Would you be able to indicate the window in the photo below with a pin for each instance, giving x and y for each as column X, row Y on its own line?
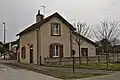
column 55, row 51
column 84, row 51
column 23, row 52
column 55, row 29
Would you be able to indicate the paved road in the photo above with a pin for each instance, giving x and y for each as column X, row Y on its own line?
column 7, row 73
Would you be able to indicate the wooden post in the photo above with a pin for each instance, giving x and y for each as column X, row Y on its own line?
column 60, row 61
column 98, row 59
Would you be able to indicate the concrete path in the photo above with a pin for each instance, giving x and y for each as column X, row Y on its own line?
column 7, row 73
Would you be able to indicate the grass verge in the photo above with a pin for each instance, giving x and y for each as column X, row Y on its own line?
column 95, row 66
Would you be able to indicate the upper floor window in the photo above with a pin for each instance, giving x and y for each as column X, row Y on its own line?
column 55, row 29
column 23, row 52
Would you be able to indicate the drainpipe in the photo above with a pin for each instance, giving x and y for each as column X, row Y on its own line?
column 71, row 43
column 38, row 51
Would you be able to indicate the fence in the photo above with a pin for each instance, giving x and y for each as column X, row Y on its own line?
column 90, row 59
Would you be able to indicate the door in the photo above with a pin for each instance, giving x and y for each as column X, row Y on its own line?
column 18, row 56
column 31, row 54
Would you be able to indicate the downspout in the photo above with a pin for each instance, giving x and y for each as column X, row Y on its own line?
column 39, row 38
column 38, row 51
column 37, row 46
column 70, row 43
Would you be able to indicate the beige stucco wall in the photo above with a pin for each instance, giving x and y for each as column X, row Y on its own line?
column 46, row 39
column 84, row 44
column 27, row 40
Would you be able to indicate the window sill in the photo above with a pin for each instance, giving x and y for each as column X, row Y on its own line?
column 55, row 56
column 22, row 58
column 55, row 35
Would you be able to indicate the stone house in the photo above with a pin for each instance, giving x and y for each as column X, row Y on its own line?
column 49, row 38
column 12, row 48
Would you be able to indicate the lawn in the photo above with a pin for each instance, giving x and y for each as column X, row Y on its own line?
column 54, row 73
column 101, row 66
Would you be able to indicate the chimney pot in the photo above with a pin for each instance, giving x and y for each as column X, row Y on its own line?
column 39, row 17
column 38, row 11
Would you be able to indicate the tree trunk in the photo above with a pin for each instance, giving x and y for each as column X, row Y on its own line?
column 106, row 51
column 87, row 59
column 117, row 56
column 107, row 58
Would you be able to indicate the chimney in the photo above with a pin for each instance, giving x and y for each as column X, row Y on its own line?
column 39, row 17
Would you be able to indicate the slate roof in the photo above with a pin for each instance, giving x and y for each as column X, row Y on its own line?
column 84, row 38
column 37, row 25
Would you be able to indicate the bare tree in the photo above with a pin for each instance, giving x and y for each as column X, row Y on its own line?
column 82, row 30
column 107, row 33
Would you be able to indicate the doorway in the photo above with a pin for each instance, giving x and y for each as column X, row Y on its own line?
column 18, row 55
column 31, row 54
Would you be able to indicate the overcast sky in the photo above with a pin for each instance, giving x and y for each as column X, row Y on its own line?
column 19, row 14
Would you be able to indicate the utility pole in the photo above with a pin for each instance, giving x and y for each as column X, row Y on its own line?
column 4, row 39
column 43, row 9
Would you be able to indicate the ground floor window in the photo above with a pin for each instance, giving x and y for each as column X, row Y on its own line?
column 84, row 51
column 56, row 50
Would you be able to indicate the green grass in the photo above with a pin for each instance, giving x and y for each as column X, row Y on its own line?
column 54, row 73
column 101, row 66
column 67, row 75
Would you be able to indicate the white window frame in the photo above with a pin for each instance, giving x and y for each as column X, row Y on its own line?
column 55, row 29
column 55, row 51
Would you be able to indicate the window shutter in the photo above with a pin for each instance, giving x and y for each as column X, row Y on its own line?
column 61, row 50
column 51, row 51
column 59, row 29
column 51, row 29
column 24, row 52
